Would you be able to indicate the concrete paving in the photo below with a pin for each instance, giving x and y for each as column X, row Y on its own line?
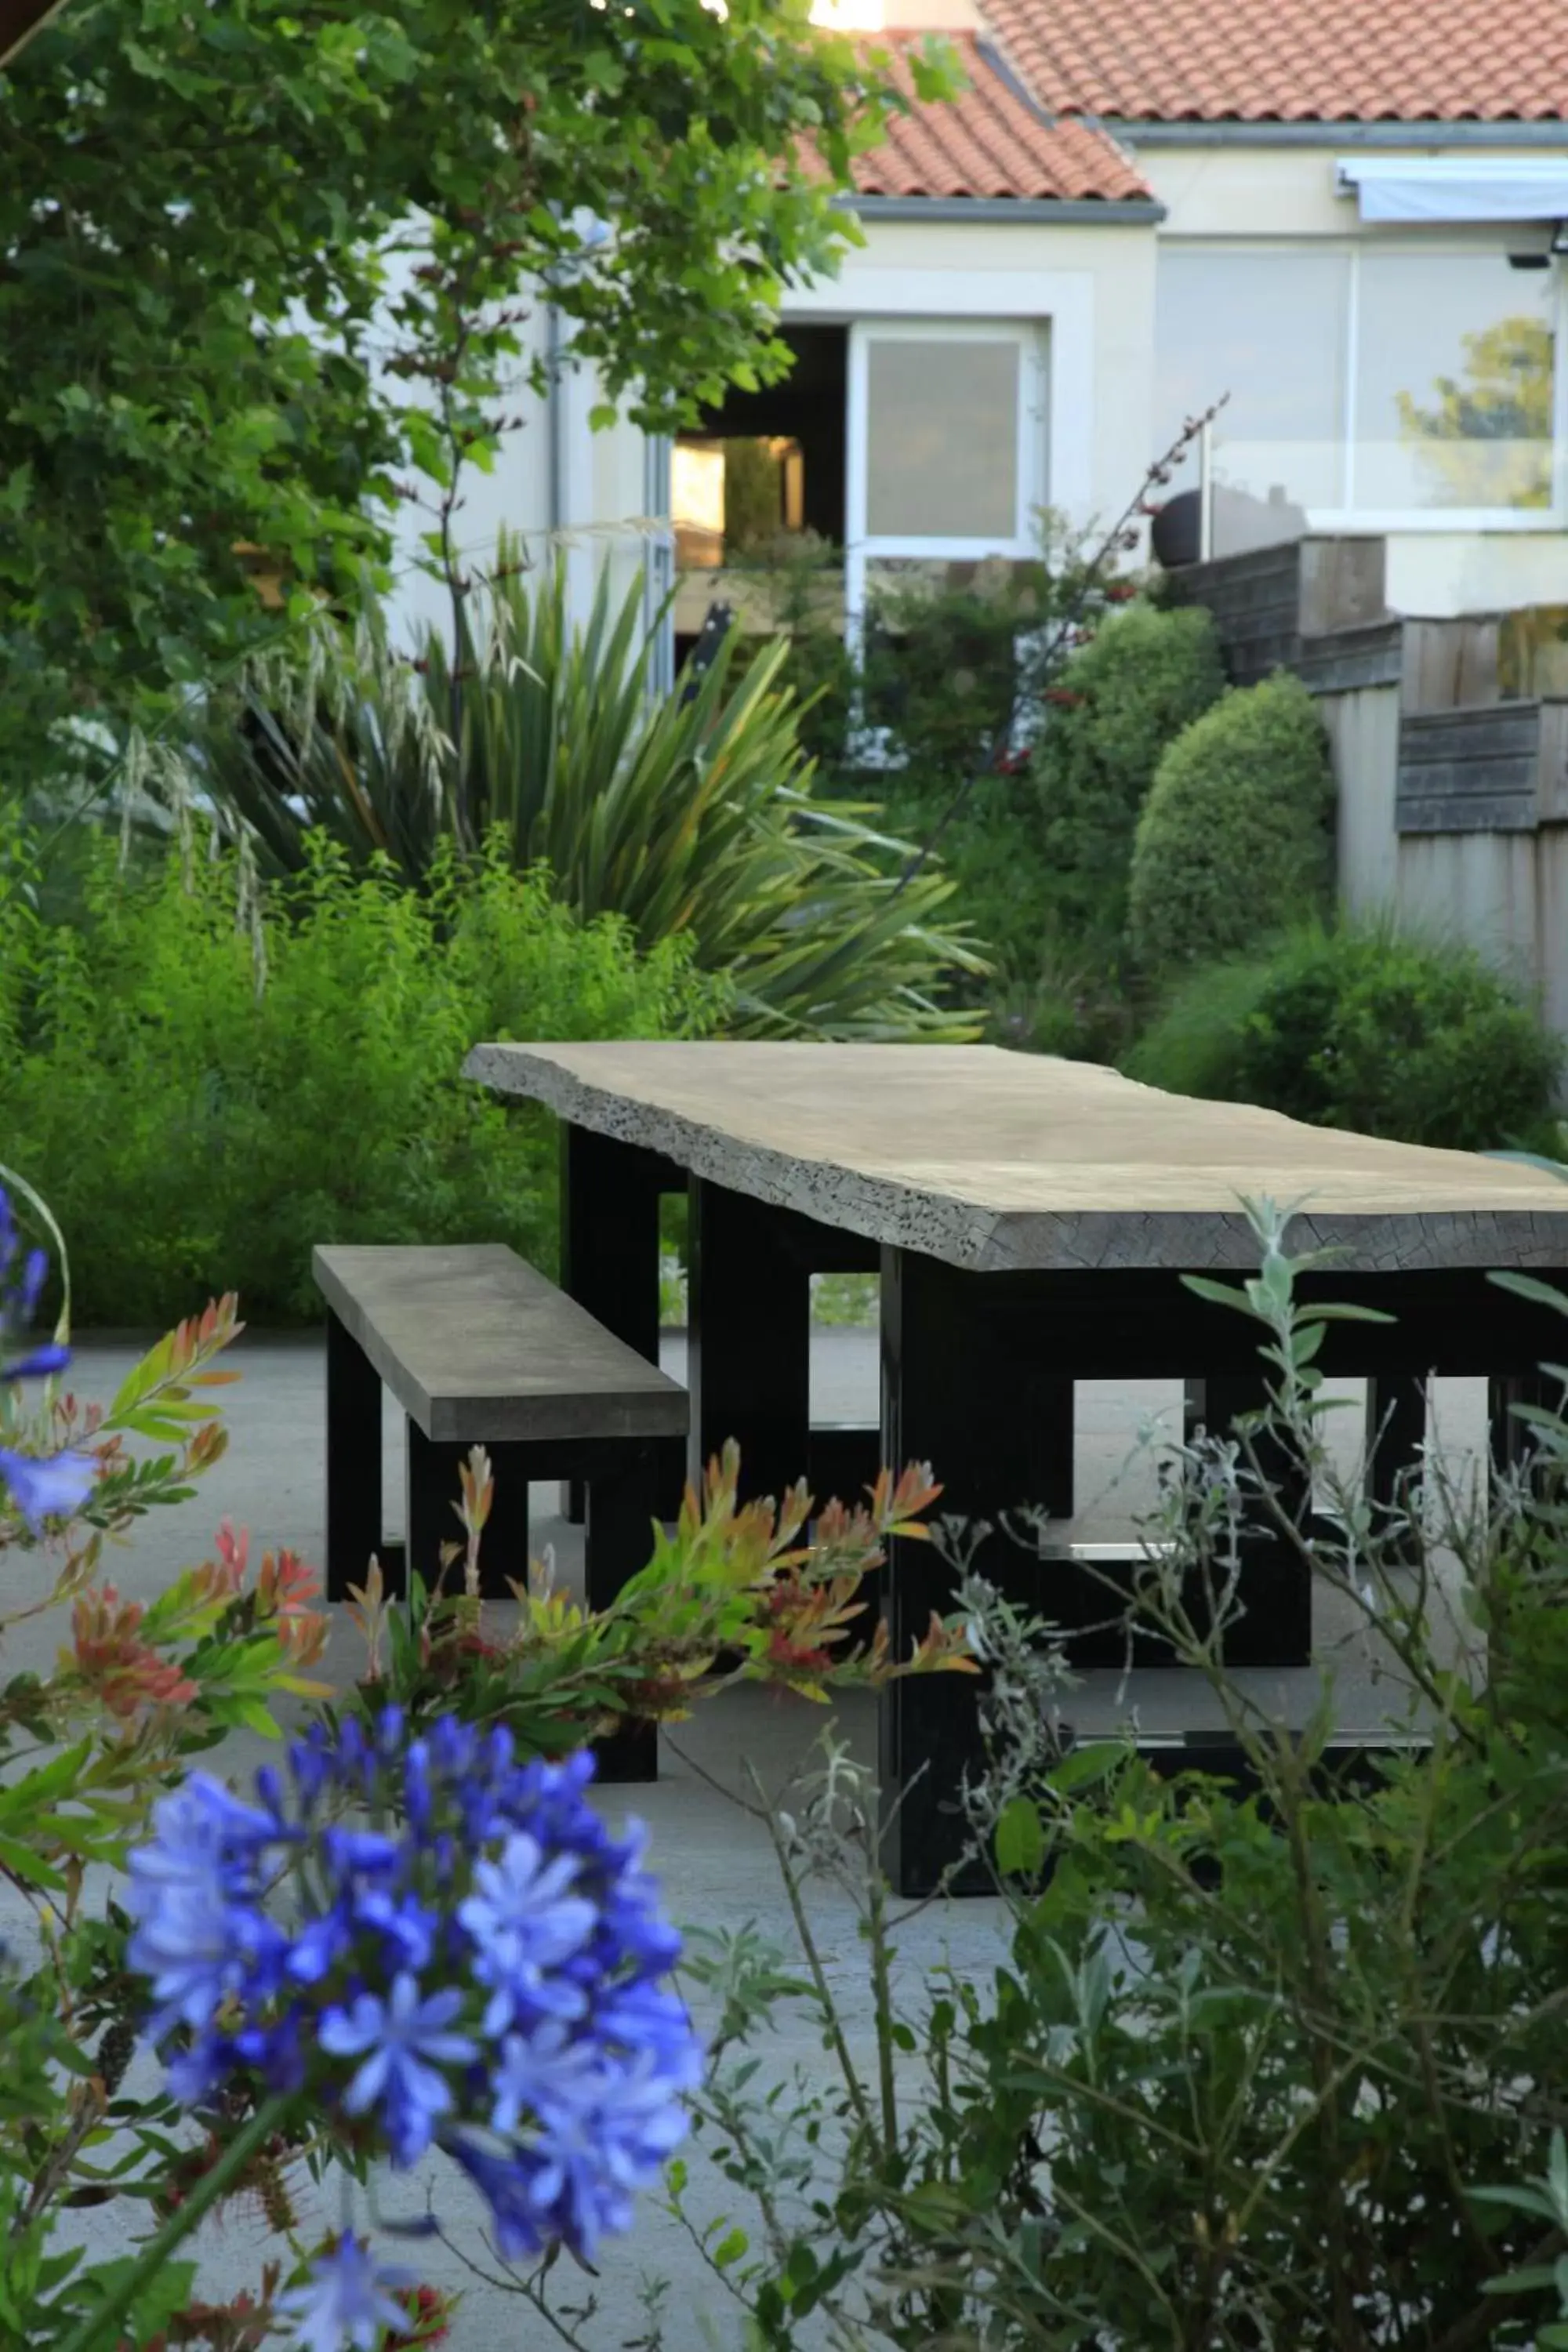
column 713, row 1859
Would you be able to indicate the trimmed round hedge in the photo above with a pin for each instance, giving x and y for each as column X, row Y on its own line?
column 1235, row 841
column 1144, row 676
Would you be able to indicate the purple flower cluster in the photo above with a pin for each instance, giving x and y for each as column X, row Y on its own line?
column 57, row 1483
column 472, row 1961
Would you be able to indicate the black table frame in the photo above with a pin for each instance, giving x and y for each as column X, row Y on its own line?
column 977, row 1378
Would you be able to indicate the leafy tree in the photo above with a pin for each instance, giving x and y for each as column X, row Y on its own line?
column 213, row 218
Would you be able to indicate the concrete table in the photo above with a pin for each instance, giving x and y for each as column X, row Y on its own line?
column 1031, row 1219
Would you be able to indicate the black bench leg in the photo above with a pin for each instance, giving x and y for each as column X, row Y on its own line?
column 433, row 1496
column 619, row 1542
column 1275, row 1586
column 353, row 1464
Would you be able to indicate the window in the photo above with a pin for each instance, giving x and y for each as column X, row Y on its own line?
column 731, row 499
column 1270, row 328
column 946, row 440
column 1455, row 381
column 941, row 454
column 1381, row 380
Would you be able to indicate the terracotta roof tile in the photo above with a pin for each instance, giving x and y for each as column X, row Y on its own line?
column 989, row 141
column 1292, row 60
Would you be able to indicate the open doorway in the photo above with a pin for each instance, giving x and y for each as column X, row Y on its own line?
column 764, row 468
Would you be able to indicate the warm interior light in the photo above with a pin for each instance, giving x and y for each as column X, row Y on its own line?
column 697, row 485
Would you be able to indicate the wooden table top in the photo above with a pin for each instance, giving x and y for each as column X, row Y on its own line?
column 1002, row 1161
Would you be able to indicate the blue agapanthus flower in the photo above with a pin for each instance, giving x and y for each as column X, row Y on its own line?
column 56, row 1485
column 348, row 2300
column 438, row 1942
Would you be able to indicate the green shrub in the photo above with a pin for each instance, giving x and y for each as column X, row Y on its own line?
column 1234, row 841
column 1075, row 1006
column 693, row 812
column 1269, row 2033
column 939, row 677
column 947, row 673
column 201, row 1100
column 1363, row 1029
column 1142, row 678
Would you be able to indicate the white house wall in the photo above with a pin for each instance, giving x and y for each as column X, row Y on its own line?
column 555, row 486
column 1239, row 191
column 1232, row 189
column 1095, row 286
column 1438, row 575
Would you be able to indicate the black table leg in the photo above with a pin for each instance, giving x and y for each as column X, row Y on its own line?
column 610, row 1194
column 965, row 1388
column 353, row 1464
column 749, row 1365
column 434, row 1492
column 619, row 1542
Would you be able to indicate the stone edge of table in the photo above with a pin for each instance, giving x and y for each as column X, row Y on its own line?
column 635, row 1399
column 984, row 1239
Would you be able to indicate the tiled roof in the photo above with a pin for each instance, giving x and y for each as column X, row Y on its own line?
column 1291, row 61
column 989, row 141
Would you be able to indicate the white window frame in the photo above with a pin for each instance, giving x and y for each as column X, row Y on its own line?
column 862, row 547
column 1350, row 518
column 1051, row 310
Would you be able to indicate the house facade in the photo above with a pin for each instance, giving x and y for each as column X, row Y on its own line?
column 1349, row 220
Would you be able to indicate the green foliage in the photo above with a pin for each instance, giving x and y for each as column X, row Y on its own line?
column 138, row 1690
column 1263, row 2046
column 735, row 1592
column 208, row 220
column 954, row 680
column 1364, row 1030
column 730, row 1594
column 694, row 813
column 1142, row 678
column 1235, row 838
column 947, row 674
column 203, row 1097
column 1076, row 1006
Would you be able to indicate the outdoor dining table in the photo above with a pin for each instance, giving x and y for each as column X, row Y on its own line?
column 1031, row 1221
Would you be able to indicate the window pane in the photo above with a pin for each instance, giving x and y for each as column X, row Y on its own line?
column 943, row 439
column 1270, row 329
column 1454, row 382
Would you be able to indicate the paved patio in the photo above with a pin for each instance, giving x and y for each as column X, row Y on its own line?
column 715, row 1862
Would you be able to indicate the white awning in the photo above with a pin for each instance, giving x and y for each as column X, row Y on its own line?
column 1458, row 187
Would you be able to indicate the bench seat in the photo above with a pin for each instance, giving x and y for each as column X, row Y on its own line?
column 480, row 1349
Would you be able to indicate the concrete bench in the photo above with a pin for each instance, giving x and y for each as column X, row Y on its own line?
column 479, row 1348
